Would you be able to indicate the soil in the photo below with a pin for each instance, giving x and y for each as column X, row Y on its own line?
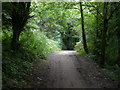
column 68, row 70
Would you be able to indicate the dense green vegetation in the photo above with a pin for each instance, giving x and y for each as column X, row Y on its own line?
column 31, row 31
column 18, row 65
column 33, row 45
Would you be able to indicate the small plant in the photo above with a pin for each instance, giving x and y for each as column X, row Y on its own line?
column 79, row 48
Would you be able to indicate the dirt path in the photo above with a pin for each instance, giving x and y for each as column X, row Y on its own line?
column 68, row 70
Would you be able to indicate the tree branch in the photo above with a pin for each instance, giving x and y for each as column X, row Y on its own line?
column 94, row 14
column 96, row 9
column 112, row 12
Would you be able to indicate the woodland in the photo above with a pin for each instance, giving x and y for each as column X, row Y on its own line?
column 32, row 30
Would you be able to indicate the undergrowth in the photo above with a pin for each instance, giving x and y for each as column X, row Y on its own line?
column 16, row 66
column 111, row 68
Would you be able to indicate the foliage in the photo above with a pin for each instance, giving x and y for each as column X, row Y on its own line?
column 94, row 30
column 57, row 25
column 79, row 48
column 18, row 65
column 54, row 21
column 40, row 45
column 113, row 72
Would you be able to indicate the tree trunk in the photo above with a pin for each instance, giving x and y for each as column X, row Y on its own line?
column 118, row 58
column 20, row 15
column 97, row 29
column 118, row 35
column 15, row 39
column 83, row 31
column 104, row 35
column 96, row 42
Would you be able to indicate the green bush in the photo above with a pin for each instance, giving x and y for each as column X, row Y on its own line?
column 79, row 48
column 38, row 44
column 113, row 71
column 18, row 65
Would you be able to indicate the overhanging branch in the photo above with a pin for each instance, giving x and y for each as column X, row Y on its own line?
column 112, row 12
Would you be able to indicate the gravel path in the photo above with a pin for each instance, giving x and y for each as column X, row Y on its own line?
column 68, row 70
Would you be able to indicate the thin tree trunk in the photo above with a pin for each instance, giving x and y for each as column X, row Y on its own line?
column 118, row 36
column 83, row 31
column 97, row 32
column 96, row 42
column 118, row 58
column 104, row 35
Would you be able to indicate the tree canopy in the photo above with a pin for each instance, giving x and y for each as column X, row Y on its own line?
column 39, row 28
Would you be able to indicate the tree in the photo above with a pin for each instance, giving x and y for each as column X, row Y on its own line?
column 57, row 22
column 20, row 15
column 106, row 19
column 104, row 35
column 102, row 25
column 83, row 30
column 15, row 14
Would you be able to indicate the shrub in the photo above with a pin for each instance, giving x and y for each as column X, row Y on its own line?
column 18, row 65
